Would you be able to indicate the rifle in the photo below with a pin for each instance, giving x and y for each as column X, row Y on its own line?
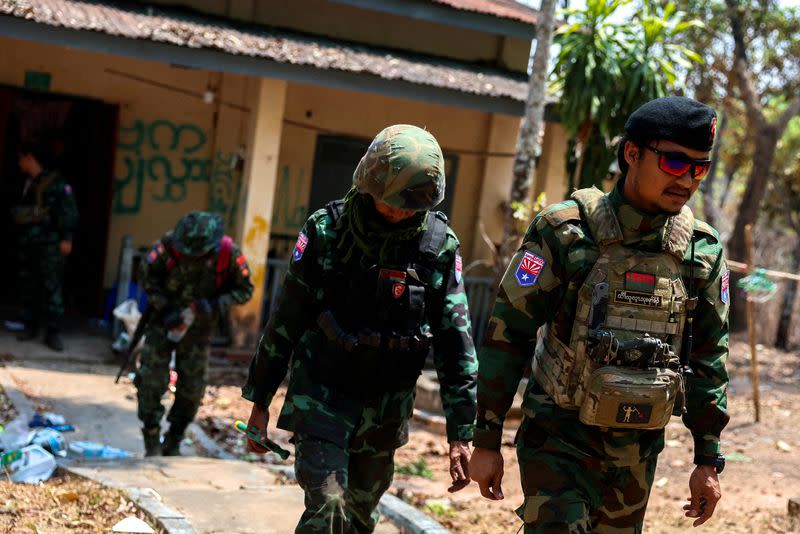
column 137, row 336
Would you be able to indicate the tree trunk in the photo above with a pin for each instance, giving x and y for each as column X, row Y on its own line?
column 787, row 306
column 529, row 141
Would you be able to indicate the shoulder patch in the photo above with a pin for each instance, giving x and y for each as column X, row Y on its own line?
column 529, row 269
column 458, row 268
column 300, row 247
column 67, row 189
column 560, row 213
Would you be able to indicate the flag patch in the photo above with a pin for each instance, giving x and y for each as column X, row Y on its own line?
column 300, row 246
column 529, row 269
column 725, row 291
column 643, row 282
column 458, row 268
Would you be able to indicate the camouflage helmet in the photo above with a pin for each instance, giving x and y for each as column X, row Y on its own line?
column 197, row 233
column 403, row 167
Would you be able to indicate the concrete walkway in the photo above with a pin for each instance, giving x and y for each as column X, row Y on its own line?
column 215, row 496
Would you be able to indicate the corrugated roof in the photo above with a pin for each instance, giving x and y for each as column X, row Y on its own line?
column 506, row 9
column 181, row 29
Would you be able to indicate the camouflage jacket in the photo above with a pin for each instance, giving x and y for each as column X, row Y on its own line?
column 51, row 193
column 173, row 282
column 292, row 337
column 569, row 252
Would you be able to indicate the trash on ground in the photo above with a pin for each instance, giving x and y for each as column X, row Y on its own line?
column 15, row 436
column 89, row 449
column 128, row 312
column 50, row 420
column 782, row 445
column 132, row 524
column 14, row 326
column 29, row 465
column 50, row 440
column 737, row 457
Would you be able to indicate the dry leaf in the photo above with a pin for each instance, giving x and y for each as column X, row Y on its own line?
column 69, row 496
column 662, row 482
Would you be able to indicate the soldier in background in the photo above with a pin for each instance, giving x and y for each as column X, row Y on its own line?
column 374, row 282
column 191, row 275
column 615, row 281
column 45, row 217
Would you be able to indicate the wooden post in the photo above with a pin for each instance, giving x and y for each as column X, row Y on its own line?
column 751, row 325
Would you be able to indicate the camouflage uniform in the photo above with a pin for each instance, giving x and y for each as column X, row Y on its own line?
column 45, row 216
column 348, row 418
column 566, row 466
column 184, row 269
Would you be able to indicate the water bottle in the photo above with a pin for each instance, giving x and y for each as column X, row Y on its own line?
column 177, row 333
column 91, row 450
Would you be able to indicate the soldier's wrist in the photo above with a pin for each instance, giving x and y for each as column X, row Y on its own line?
column 487, row 439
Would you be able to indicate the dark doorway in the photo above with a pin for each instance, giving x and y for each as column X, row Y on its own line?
column 81, row 134
column 335, row 160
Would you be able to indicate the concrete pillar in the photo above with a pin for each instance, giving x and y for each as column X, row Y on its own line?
column 258, row 186
column 497, row 176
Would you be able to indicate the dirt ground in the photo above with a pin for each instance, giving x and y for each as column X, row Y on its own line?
column 63, row 504
column 762, row 473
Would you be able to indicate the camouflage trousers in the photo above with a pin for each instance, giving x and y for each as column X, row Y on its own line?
column 41, row 282
column 566, row 492
column 342, row 486
column 152, row 378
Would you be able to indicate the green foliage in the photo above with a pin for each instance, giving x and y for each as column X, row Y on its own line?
column 415, row 469
column 606, row 69
column 440, row 510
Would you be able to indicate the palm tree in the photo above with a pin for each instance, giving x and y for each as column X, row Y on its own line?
column 605, row 69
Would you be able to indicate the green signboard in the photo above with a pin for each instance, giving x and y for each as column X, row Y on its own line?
column 38, row 81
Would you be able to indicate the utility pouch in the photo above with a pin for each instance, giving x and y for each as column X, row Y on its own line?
column 625, row 397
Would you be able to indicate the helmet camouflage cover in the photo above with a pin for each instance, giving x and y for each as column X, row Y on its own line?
column 197, row 233
column 403, row 167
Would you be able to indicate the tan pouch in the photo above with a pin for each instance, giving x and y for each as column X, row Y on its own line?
column 624, row 397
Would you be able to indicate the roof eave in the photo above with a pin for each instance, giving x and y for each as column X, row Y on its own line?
column 202, row 58
column 449, row 16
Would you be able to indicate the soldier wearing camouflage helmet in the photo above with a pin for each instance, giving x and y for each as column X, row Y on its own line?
column 374, row 282
column 619, row 302
column 193, row 273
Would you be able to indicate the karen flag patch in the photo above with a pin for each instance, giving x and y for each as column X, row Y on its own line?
column 725, row 290
column 458, row 268
column 300, row 246
column 529, row 269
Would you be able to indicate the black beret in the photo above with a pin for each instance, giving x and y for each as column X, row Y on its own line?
column 674, row 118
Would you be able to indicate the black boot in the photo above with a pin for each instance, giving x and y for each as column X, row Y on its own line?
column 29, row 332
column 173, row 438
column 152, row 441
column 53, row 340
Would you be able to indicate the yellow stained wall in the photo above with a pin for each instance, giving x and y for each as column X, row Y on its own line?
column 172, row 156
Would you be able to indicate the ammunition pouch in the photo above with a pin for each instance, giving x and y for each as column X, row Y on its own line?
column 23, row 215
column 642, row 352
column 368, row 363
column 631, row 398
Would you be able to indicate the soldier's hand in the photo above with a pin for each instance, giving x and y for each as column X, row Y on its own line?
column 259, row 418
column 65, row 248
column 486, row 468
column 705, row 493
column 173, row 319
column 459, row 465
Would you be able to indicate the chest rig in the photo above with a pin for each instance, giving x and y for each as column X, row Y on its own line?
column 376, row 332
column 33, row 209
column 621, row 367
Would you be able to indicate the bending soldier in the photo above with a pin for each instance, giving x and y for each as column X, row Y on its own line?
column 374, row 283
column 191, row 275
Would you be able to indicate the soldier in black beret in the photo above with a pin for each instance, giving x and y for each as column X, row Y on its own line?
column 598, row 279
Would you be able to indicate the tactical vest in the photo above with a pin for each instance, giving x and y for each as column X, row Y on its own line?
column 224, row 252
column 374, row 323
column 621, row 368
column 35, row 213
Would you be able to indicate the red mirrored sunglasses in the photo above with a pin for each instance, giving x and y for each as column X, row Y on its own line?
column 678, row 163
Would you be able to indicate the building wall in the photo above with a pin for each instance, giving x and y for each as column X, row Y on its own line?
column 352, row 24
column 172, row 155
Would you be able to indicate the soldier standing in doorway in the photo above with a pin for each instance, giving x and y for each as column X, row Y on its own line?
column 191, row 275
column 45, row 218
